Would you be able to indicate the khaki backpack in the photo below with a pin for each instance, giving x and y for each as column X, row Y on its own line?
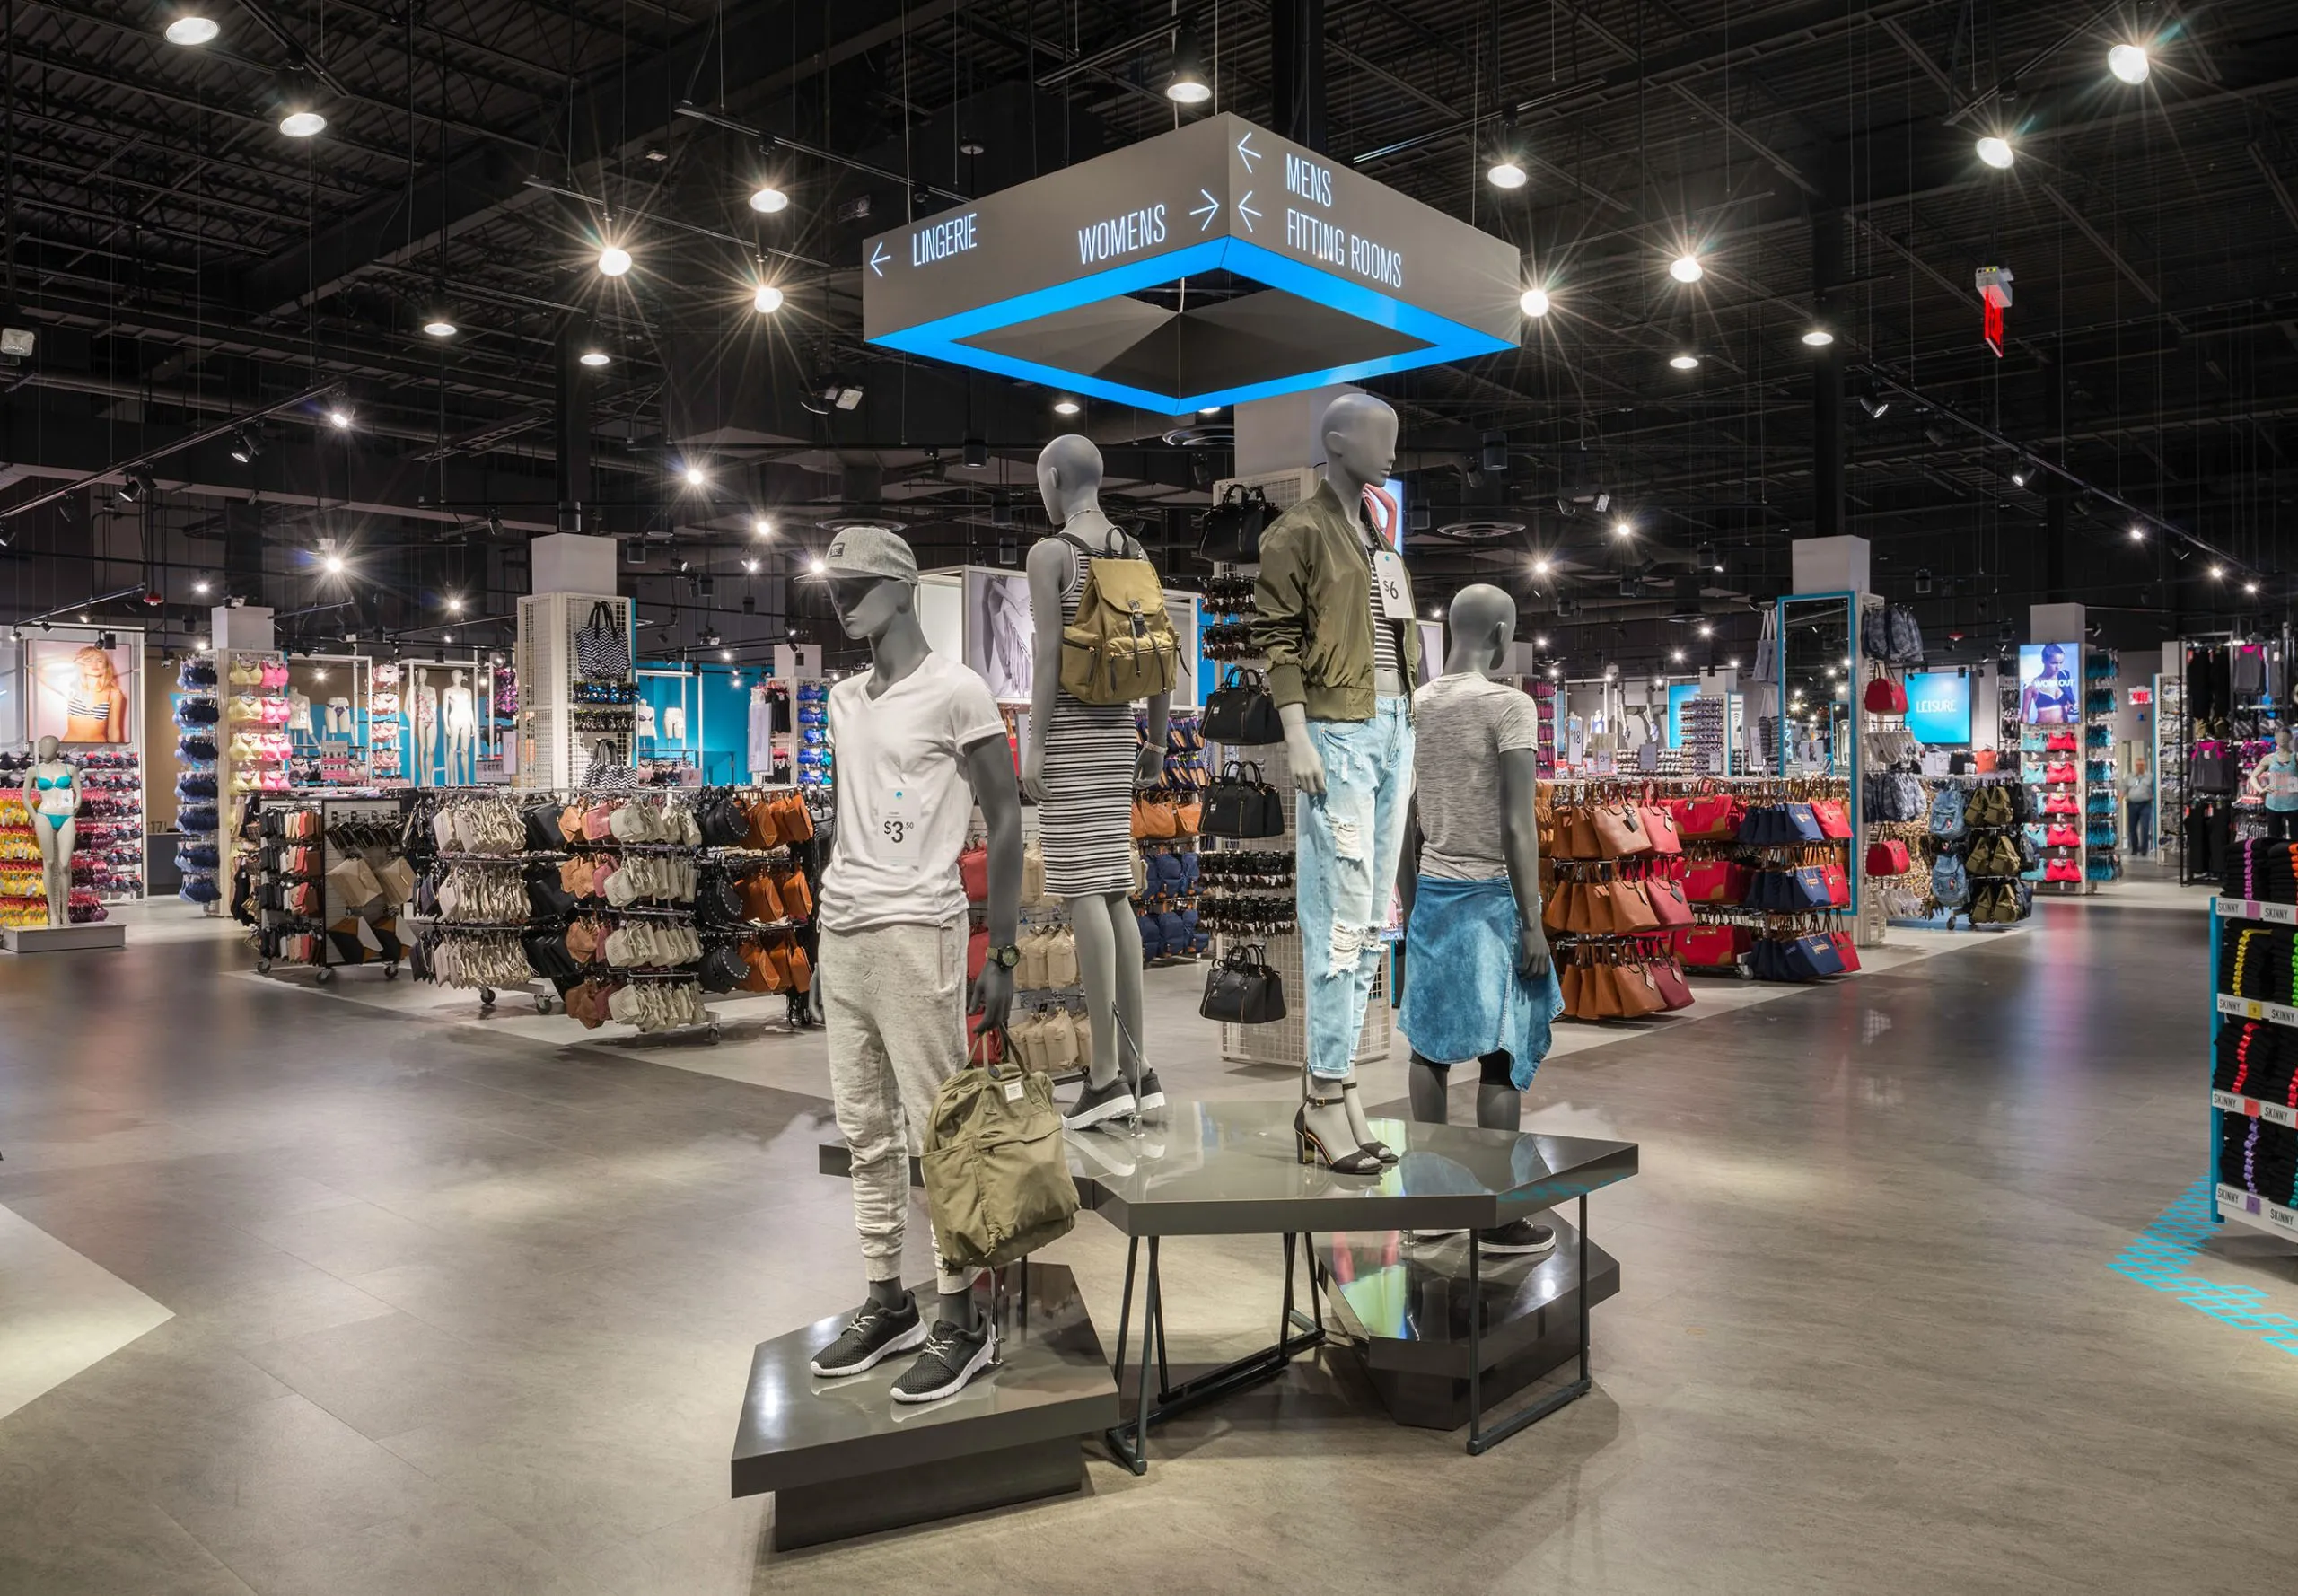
column 1121, row 647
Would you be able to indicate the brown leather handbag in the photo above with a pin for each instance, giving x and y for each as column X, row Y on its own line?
column 1603, row 990
column 1631, row 909
column 796, row 820
column 1639, row 995
column 1596, row 916
column 765, row 826
column 801, row 968
column 1619, row 830
column 761, row 898
column 1574, row 979
column 1557, row 905
column 797, row 897
column 1577, row 829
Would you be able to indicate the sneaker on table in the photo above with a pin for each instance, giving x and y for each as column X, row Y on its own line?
column 952, row 1359
column 1518, row 1236
column 1097, row 1103
column 1148, row 1095
column 873, row 1336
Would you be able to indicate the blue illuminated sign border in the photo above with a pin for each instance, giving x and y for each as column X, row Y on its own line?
column 1445, row 339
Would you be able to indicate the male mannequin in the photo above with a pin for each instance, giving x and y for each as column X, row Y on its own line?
column 459, row 725
column 890, row 980
column 1339, row 676
column 1081, row 769
column 52, row 793
column 1478, row 980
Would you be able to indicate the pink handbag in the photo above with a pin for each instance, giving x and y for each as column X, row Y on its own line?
column 596, row 821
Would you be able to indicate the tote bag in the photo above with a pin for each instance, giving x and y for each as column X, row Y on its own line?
column 599, row 646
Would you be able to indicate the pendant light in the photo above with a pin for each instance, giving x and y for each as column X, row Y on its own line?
column 1189, row 85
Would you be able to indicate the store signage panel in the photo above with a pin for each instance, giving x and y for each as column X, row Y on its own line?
column 1342, row 276
column 1939, row 707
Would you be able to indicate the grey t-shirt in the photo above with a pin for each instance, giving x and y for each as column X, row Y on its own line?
column 1462, row 725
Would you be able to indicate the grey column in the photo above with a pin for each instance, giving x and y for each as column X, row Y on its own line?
column 1826, row 379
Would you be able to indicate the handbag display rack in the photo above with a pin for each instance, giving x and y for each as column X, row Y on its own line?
column 329, row 880
column 1612, row 895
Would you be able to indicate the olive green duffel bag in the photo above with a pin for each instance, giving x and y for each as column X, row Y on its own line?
column 997, row 1181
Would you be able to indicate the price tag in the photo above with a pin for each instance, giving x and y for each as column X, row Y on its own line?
column 1389, row 579
column 2250, row 1107
column 1012, row 1092
column 2250, row 910
column 901, row 827
column 2253, row 1010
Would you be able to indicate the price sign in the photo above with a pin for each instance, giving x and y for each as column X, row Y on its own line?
column 901, row 828
column 1395, row 590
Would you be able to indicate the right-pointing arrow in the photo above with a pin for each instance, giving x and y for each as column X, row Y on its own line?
column 1205, row 212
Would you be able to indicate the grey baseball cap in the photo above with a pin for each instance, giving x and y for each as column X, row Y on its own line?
column 870, row 552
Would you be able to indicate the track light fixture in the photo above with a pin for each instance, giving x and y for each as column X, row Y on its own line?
column 246, row 445
column 973, row 454
column 1508, row 168
column 1189, row 85
column 1876, row 408
column 338, row 419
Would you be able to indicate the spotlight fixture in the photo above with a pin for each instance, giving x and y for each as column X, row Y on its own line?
column 188, row 27
column 1066, row 406
column 595, row 358
column 767, row 199
column 1189, row 85
column 200, row 586
column 2127, row 62
column 1685, row 269
column 440, row 324
column 338, row 419
column 2217, row 573
column 1676, row 656
column 766, row 299
column 1534, row 303
column 973, row 454
column 1685, row 363
column 134, row 487
column 614, row 260
column 763, row 527
column 1819, row 337
column 1508, row 168
column 1706, row 630
column 1493, row 451
column 454, row 605
column 245, row 444
column 1876, row 408
column 1923, row 581
column 1541, row 566
column 1208, row 410
column 1623, row 529
column 2138, row 534
column 726, row 654
column 750, row 568
column 2251, row 588
column 710, row 639
column 2018, row 478
column 695, row 477
column 1539, row 640
column 333, row 564
column 299, row 120
column 1996, row 152
column 814, row 567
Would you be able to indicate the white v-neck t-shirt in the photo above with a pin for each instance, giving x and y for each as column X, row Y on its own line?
column 903, row 799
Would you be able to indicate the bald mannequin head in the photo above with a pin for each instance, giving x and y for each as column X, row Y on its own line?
column 1069, row 477
column 1483, row 628
column 1360, row 433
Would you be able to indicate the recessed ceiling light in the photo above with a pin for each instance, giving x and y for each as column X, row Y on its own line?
column 1066, row 406
column 191, row 28
column 595, row 358
column 1687, row 269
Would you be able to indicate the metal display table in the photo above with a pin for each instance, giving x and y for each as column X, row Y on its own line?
column 1229, row 1168
column 844, row 1458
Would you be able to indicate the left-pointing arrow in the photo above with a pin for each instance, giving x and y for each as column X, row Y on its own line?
column 878, row 258
column 1245, row 210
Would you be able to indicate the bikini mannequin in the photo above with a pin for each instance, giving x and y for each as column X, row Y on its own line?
column 52, row 793
column 1089, row 804
column 876, row 906
column 459, row 721
column 426, row 732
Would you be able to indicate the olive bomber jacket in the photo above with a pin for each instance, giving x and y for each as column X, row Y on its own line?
column 1314, row 619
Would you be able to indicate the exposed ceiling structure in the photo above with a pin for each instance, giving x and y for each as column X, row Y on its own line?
column 198, row 280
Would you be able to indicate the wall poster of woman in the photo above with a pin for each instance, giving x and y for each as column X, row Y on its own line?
column 80, row 692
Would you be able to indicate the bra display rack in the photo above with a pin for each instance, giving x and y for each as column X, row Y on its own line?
column 618, row 907
column 332, row 879
column 251, row 743
column 108, row 849
column 199, row 803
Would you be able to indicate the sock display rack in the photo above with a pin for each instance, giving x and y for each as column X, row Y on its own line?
column 330, row 880
column 2254, row 1041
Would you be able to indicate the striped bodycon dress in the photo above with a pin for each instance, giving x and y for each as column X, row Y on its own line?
column 1086, row 823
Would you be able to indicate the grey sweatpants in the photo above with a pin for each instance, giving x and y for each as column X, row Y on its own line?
column 894, row 1007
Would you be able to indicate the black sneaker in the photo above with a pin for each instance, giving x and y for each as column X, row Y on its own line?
column 874, row 1334
column 1097, row 1103
column 1520, row 1236
column 1148, row 1095
column 951, row 1358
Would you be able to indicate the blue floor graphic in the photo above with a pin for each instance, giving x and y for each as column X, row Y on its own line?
column 2159, row 1256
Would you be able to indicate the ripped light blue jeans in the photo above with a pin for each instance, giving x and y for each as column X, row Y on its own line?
column 1348, row 842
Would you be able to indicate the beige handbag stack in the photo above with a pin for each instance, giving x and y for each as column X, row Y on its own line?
column 1052, row 1040
column 1049, row 961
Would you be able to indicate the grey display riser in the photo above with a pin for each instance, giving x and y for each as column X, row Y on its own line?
column 64, row 939
column 924, row 1492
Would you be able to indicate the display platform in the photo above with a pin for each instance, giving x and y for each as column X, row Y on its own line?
column 1405, row 1304
column 64, row 939
column 844, row 1458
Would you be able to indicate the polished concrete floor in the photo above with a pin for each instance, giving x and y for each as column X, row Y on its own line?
column 361, row 1291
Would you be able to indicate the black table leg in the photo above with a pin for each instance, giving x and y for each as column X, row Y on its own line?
column 1481, row 1438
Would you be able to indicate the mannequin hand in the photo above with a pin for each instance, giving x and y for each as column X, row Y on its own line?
column 1149, row 769
column 1308, row 767
column 992, row 994
column 1033, row 774
column 1533, row 959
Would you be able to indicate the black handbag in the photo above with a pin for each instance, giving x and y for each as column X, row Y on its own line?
column 1241, row 710
column 543, row 836
column 723, row 967
column 722, row 818
column 1239, row 804
column 546, row 899
column 718, row 902
column 1242, row 990
column 1232, row 527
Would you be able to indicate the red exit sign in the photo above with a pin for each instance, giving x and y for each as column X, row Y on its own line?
column 2141, row 697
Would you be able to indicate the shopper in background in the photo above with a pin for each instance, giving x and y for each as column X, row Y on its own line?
column 2276, row 781
column 2139, row 801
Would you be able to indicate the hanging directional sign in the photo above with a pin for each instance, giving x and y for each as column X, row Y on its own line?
column 1208, row 266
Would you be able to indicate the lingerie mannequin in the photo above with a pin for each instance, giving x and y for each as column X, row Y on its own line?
column 913, row 736
column 427, row 733
column 1342, row 649
column 52, row 793
column 299, row 713
column 1478, row 982
column 1082, row 763
column 458, row 720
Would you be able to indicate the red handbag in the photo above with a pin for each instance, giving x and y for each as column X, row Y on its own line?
column 1834, row 819
column 1885, row 697
column 1715, row 881
column 1675, row 992
column 1847, row 948
column 977, row 952
column 1713, row 817
column 973, row 870
column 1838, row 882
column 1660, row 826
column 1711, row 947
column 1669, row 905
column 1888, row 857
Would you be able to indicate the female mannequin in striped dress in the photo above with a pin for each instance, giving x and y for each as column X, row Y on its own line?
column 1080, row 768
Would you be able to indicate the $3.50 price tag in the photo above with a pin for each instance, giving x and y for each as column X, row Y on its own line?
column 900, row 826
